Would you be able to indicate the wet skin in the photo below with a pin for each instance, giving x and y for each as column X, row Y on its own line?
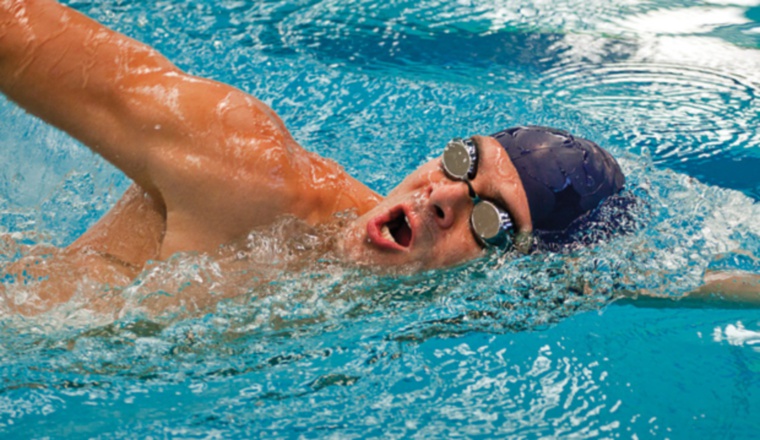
column 117, row 248
column 438, row 211
column 216, row 162
column 211, row 163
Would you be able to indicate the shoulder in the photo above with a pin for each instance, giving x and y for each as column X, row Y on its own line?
column 198, row 129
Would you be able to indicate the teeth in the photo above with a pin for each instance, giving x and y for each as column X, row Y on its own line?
column 386, row 232
column 406, row 219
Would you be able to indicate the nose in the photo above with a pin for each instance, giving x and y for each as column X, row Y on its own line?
column 448, row 200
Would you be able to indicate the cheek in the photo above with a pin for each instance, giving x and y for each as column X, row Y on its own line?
column 458, row 246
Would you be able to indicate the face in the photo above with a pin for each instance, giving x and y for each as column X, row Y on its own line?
column 424, row 222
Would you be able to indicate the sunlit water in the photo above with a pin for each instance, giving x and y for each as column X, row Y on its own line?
column 525, row 346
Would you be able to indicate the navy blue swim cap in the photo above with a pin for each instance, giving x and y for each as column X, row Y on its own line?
column 564, row 176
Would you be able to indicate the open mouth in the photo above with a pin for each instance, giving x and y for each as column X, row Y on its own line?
column 398, row 230
column 392, row 230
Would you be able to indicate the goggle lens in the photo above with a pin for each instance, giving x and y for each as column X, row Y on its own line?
column 460, row 159
column 489, row 223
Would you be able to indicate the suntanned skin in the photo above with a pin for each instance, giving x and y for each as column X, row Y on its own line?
column 210, row 162
column 98, row 255
column 216, row 160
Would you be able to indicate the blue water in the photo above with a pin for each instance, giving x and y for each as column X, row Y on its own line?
column 515, row 346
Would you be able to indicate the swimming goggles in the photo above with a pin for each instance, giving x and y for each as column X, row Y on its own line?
column 490, row 224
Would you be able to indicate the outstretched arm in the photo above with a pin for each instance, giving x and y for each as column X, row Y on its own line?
column 203, row 150
column 720, row 290
column 119, row 97
column 734, row 287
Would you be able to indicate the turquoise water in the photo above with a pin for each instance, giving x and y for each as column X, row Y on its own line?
column 530, row 346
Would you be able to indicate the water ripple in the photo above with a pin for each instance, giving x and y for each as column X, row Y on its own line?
column 688, row 117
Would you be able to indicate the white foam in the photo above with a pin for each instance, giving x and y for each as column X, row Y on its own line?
column 737, row 335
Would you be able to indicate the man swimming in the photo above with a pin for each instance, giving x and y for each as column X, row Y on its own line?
column 210, row 163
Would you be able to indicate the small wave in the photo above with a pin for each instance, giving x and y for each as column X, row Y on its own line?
column 687, row 117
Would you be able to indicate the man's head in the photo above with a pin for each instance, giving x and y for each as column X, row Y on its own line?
column 564, row 177
column 426, row 221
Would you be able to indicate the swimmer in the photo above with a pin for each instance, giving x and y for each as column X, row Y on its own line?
column 210, row 163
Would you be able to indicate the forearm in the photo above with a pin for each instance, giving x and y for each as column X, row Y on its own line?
column 720, row 290
column 735, row 287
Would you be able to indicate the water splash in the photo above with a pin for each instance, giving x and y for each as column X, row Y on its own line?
column 341, row 350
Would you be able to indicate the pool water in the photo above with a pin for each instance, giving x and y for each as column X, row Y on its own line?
column 509, row 346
